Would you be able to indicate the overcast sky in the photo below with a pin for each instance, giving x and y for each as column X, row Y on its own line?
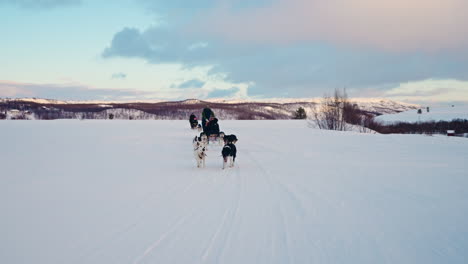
column 414, row 51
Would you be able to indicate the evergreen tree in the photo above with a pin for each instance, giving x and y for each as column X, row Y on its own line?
column 300, row 113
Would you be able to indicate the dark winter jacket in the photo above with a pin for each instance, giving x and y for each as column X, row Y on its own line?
column 212, row 127
column 206, row 114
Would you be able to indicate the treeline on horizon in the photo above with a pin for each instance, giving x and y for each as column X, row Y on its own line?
column 460, row 126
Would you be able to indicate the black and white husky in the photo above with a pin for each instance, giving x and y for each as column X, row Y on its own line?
column 204, row 138
column 199, row 151
column 229, row 155
column 229, row 139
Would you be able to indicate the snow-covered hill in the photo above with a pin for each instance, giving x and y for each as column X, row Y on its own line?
column 379, row 105
column 376, row 105
column 101, row 191
column 434, row 114
column 224, row 109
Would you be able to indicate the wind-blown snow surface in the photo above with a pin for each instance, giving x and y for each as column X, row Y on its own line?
column 128, row 192
column 434, row 114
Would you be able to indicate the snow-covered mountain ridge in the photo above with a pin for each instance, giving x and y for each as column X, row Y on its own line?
column 275, row 108
column 358, row 100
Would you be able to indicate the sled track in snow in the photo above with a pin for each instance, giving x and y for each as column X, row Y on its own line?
column 164, row 236
column 146, row 202
column 213, row 250
column 224, row 230
column 276, row 187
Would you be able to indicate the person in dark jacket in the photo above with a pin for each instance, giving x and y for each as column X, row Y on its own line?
column 212, row 127
column 207, row 113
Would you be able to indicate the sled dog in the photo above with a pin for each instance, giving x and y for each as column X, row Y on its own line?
column 229, row 155
column 204, row 139
column 221, row 138
column 199, row 151
column 230, row 139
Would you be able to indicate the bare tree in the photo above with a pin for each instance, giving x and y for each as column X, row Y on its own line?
column 330, row 112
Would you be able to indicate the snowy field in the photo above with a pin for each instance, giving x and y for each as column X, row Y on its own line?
column 128, row 192
column 434, row 114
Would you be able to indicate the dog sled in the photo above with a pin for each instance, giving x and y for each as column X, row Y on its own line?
column 211, row 130
column 221, row 138
column 216, row 138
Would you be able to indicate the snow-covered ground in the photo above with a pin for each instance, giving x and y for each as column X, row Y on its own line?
column 434, row 114
column 128, row 192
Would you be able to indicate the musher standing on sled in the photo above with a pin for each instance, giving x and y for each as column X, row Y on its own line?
column 206, row 114
column 209, row 122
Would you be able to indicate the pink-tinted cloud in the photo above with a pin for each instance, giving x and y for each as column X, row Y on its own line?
column 65, row 91
column 392, row 25
column 13, row 89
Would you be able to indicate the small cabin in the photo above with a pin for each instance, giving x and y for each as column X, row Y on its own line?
column 450, row 133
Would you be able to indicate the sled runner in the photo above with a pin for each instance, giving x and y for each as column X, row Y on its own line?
column 216, row 138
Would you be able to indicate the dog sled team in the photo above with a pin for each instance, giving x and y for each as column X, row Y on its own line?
column 211, row 133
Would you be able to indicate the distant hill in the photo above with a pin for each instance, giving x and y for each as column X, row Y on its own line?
column 427, row 115
column 269, row 109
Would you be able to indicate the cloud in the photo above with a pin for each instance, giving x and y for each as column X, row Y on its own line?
column 302, row 69
column 119, row 75
column 430, row 90
column 129, row 43
column 391, row 25
column 67, row 92
column 194, row 83
column 160, row 45
column 74, row 91
column 186, row 8
column 304, row 48
column 199, row 45
column 224, row 93
column 10, row 89
column 40, row 4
